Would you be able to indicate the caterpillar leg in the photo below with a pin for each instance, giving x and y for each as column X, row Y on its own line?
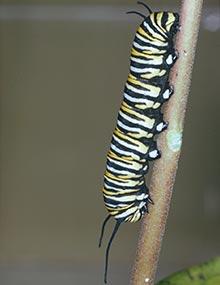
column 168, row 92
column 150, row 200
column 171, row 59
column 176, row 54
column 153, row 152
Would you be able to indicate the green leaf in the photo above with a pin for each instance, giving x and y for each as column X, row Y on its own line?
column 207, row 273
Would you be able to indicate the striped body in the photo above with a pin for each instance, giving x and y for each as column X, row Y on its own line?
column 133, row 143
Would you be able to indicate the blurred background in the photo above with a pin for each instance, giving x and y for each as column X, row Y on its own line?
column 63, row 65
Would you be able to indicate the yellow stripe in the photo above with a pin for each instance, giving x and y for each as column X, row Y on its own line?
column 170, row 21
column 131, row 76
column 157, row 72
column 119, row 192
column 153, row 38
column 139, row 136
column 118, row 133
column 132, row 141
column 144, row 118
column 156, row 34
column 113, row 213
column 126, row 105
column 159, row 22
column 122, row 158
column 149, row 104
column 113, row 177
column 131, row 112
column 146, row 54
column 152, row 88
column 129, row 162
column 143, row 33
column 156, row 105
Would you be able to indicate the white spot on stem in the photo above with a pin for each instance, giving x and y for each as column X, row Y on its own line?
column 147, row 280
column 174, row 140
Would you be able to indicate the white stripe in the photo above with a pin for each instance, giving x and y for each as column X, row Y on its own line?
column 128, row 128
column 119, row 190
column 148, row 123
column 112, row 188
column 126, row 144
column 125, row 183
column 156, row 60
column 140, row 91
column 141, row 197
column 155, row 35
column 141, row 47
column 112, row 169
column 161, row 31
column 116, row 206
column 123, row 152
column 126, row 198
column 139, row 147
column 143, row 70
column 148, row 61
column 142, row 204
column 126, row 213
column 145, row 40
column 137, row 100
column 150, row 42
column 139, row 60
column 135, row 165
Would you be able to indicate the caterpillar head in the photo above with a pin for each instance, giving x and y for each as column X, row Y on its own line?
column 165, row 22
column 172, row 23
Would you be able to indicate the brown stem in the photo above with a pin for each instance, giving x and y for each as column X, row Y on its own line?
column 164, row 170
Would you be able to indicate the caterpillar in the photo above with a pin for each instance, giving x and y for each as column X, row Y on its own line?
column 133, row 144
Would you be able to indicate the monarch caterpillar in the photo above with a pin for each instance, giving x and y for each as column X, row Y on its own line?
column 126, row 195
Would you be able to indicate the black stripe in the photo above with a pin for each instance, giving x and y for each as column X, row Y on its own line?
column 149, row 22
column 130, row 170
column 157, row 28
column 144, row 44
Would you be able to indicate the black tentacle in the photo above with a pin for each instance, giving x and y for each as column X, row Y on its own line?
column 103, row 229
column 117, row 225
column 135, row 12
column 146, row 6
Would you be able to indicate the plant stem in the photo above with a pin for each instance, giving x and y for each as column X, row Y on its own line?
column 169, row 142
